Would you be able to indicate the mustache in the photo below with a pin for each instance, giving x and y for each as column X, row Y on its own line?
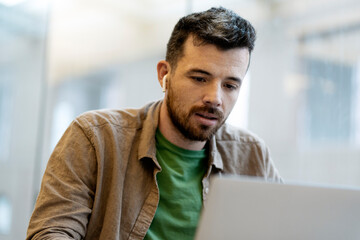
column 219, row 114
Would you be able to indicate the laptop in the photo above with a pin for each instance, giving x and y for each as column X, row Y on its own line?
column 248, row 209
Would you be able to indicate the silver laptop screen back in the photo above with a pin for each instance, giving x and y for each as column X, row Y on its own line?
column 238, row 209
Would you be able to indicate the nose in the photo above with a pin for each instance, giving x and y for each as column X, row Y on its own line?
column 212, row 95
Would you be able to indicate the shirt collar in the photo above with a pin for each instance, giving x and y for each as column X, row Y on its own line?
column 147, row 144
column 214, row 156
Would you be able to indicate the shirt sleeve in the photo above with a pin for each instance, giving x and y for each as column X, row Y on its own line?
column 271, row 172
column 66, row 196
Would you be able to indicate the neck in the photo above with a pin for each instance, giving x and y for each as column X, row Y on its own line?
column 173, row 135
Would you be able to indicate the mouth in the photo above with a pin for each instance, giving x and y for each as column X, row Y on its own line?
column 208, row 116
column 207, row 119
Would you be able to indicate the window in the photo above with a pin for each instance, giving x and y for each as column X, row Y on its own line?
column 330, row 65
column 5, row 215
column 5, row 117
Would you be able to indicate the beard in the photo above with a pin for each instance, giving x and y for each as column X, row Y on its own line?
column 182, row 119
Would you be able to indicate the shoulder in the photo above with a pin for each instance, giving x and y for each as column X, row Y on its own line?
column 244, row 153
column 229, row 133
column 125, row 118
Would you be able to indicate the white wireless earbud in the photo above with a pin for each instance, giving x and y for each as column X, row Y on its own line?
column 164, row 83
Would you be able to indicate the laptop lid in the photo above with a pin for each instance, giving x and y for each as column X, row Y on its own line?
column 247, row 209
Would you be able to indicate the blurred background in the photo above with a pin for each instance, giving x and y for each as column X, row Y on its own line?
column 60, row 58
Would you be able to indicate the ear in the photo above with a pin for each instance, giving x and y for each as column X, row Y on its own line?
column 163, row 68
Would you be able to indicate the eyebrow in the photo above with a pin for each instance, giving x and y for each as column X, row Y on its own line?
column 198, row 70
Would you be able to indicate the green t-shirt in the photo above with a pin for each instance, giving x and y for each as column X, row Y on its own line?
column 180, row 191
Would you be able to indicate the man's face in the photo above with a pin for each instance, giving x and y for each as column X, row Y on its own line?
column 204, row 87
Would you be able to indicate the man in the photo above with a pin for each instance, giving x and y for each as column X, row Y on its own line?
column 136, row 174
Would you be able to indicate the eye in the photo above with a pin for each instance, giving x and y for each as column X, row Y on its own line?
column 198, row 79
column 230, row 86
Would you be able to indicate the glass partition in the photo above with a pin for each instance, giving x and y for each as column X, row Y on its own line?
column 23, row 26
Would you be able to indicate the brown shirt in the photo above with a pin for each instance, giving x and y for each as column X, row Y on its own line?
column 100, row 181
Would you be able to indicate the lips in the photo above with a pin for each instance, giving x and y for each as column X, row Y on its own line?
column 207, row 119
column 208, row 116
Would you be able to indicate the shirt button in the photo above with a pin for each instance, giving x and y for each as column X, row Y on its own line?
column 206, row 190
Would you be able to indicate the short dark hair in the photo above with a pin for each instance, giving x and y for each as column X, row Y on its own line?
column 219, row 26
